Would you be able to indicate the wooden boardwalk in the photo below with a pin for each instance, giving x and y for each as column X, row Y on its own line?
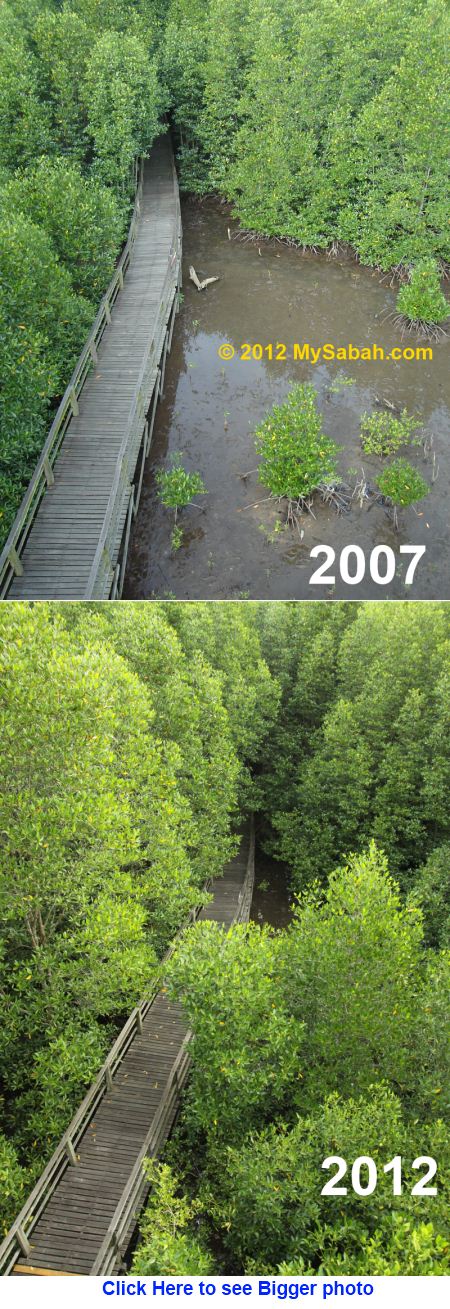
column 88, row 1215
column 75, row 546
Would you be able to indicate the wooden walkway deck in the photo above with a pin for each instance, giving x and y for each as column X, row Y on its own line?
column 87, row 1215
column 75, row 545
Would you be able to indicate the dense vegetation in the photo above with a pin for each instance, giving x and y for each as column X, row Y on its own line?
column 127, row 744
column 331, row 1037
column 133, row 737
column 79, row 99
column 323, row 122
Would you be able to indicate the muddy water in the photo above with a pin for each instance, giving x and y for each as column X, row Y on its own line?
column 236, row 544
column 271, row 901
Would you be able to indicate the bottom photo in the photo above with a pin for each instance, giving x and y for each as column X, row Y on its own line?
column 225, row 939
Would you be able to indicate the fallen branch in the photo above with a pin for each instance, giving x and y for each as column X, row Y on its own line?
column 255, row 505
column 201, row 286
column 382, row 400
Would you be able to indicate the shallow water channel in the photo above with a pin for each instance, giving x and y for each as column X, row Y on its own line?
column 235, row 542
column 271, row 902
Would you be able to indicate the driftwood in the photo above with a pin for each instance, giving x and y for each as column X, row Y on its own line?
column 381, row 400
column 201, row 286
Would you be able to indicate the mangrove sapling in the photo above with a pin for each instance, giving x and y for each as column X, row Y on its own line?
column 383, row 434
column 176, row 488
column 298, row 458
column 340, row 382
column 176, row 539
column 401, row 485
column 421, row 304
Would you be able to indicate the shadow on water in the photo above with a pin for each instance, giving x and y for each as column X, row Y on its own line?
column 236, row 543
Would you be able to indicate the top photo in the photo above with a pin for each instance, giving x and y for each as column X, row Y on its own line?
column 224, row 300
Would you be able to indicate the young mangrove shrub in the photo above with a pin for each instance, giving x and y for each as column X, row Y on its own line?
column 421, row 300
column 297, row 456
column 176, row 539
column 402, row 485
column 176, row 488
column 168, row 1240
column 382, row 434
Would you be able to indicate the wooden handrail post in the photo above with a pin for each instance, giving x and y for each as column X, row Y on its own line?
column 74, row 402
column 48, row 470
column 139, row 1022
column 108, row 1078
column 23, row 1242
column 70, row 1152
column 15, row 562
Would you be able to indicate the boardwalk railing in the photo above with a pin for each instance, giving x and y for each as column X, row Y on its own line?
column 123, row 496
column 17, row 1242
column 111, row 1253
column 43, row 477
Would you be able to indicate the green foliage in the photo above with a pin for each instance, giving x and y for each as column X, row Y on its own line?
column 365, row 1063
column 432, row 889
column 28, row 382
column 401, row 1248
column 377, row 715
column 62, row 1072
column 123, row 102
column 79, row 215
column 246, row 1047
column 62, row 41
column 38, row 296
column 42, row 328
column 79, row 98
column 166, row 1244
column 402, row 484
column 119, row 777
column 24, row 120
column 340, row 382
column 176, row 487
column 128, row 733
column 320, row 124
column 269, row 1207
column 382, row 434
column 421, row 299
column 193, row 707
column 12, row 1182
column 297, row 456
column 176, row 539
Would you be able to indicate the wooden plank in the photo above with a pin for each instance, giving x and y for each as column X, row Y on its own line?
column 42, row 1272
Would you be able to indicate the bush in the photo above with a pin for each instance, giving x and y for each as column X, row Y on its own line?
column 12, row 1183
column 87, row 244
column 402, row 484
column 421, row 299
column 432, row 888
column 176, row 487
column 382, row 434
column 168, row 1245
column 297, row 456
column 28, row 381
column 38, row 297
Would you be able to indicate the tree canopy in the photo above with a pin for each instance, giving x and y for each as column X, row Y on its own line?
column 124, row 769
